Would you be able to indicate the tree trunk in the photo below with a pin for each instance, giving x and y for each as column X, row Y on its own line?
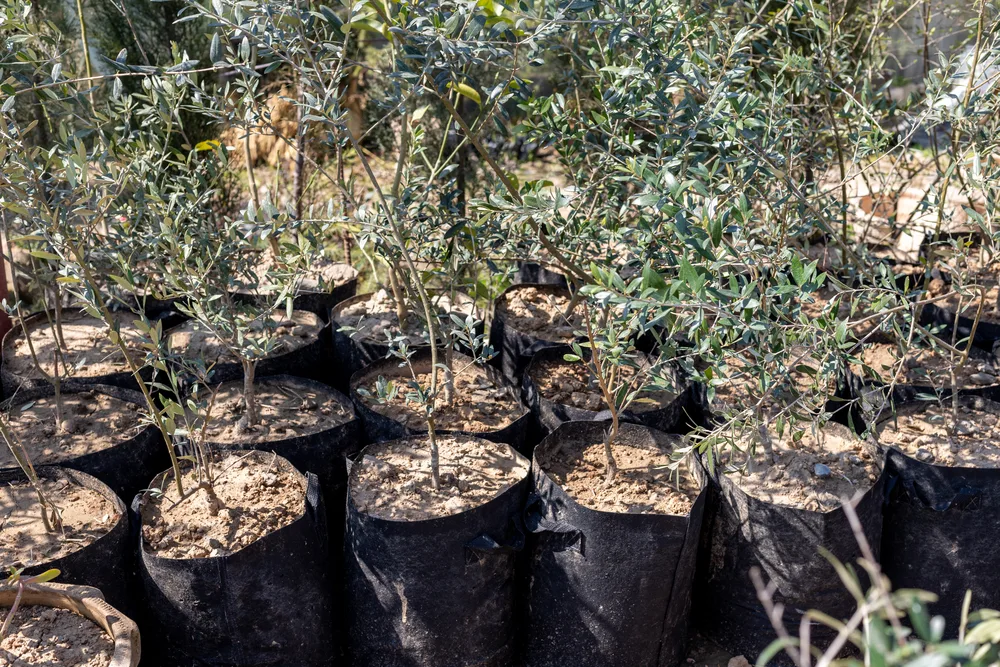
column 610, row 465
column 435, row 455
column 250, row 416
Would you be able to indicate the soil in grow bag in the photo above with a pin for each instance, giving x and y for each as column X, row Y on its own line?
column 529, row 318
column 236, row 573
column 431, row 572
column 943, row 312
column 611, row 565
column 91, row 547
column 479, row 403
column 362, row 326
column 776, row 512
column 194, row 341
column 50, row 636
column 941, row 527
column 287, row 408
column 560, row 391
column 300, row 346
column 88, row 355
column 370, row 317
column 101, row 434
column 929, row 368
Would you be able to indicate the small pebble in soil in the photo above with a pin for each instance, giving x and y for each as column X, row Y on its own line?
column 923, row 455
column 822, row 471
column 964, row 428
column 982, row 379
column 380, row 467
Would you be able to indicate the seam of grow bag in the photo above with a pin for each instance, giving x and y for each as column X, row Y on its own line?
column 487, row 544
column 537, row 523
column 221, row 568
column 673, row 575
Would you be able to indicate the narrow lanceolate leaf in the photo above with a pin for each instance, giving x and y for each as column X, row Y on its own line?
column 48, row 575
column 8, row 104
column 466, row 90
column 798, row 271
column 215, row 50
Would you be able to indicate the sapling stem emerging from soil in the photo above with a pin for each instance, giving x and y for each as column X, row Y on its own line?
column 51, row 515
column 250, row 416
column 424, row 299
column 119, row 340
column 54, row 379
column 606, row 382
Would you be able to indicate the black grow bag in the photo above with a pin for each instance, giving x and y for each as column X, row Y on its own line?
column 126, row 467
column 353, row 353
column 987, row 333
column 267, row 604
column 380, row 428
column 679, row 416
column 11, row 382
column 515, row 349
column 537, row 274
column 104, row 563
column 742, row 532
column 312, row 360
column 858, row 398
column 940, row 531
column 324, row 453
column 437, row 592
column 607, row 588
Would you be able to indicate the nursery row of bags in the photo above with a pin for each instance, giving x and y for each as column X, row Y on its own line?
column 935, row 478
column 247, row 563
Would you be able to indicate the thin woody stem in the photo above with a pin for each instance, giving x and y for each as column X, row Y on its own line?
column 611, row 466
column 20, row 454
column 424, row 299
column 564, row 263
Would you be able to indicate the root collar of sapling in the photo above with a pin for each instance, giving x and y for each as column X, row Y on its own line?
column 86, row 517
column 393, row 480
column 251, row 495
column 477, row 404
column 286, row 409
column 91, row 422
